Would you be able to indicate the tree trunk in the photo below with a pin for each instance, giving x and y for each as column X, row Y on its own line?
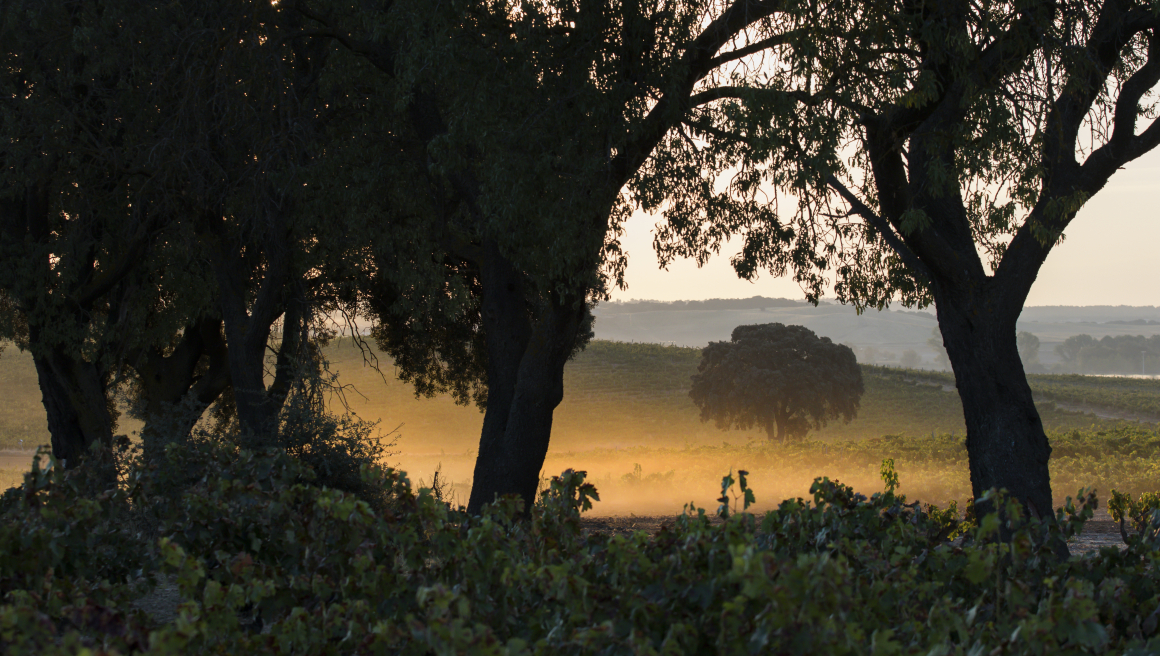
column 175, row 395
column 1006, row 445
column 782, row 419
column 77, row 406
column 250, row 304
column 526, row 360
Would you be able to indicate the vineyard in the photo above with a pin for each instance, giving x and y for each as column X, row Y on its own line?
column 252, row 558
column 933, row 468
column 1134, row 397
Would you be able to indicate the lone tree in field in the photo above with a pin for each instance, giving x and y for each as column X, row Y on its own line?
column 784, row 379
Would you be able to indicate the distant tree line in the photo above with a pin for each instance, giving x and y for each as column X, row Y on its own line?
column 712, row 304
column 1119, row 354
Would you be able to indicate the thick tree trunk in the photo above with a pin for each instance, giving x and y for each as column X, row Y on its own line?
column 77, row 406
column 1006, row 444
column 526, row 358
column 175, row 395
column 507, row 328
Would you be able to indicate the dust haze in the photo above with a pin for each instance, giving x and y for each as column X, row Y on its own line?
column 627, row 420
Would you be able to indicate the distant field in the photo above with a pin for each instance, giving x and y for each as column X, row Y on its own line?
column 627, row 404
column 21, row 413
column 1138, row 398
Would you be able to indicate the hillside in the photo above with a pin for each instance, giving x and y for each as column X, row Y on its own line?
column 888, row 333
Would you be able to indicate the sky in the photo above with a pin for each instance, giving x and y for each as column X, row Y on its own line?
column 1108, row 257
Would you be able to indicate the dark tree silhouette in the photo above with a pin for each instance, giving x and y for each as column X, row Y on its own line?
column 784, row 379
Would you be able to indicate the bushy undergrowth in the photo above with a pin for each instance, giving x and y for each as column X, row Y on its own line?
column 266, row 562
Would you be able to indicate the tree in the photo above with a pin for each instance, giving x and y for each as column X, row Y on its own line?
column 156, row 221
column 910, row 359
column 1125, row 354
column 73, row 242
column 935, row 342
column 1028, row 345
column 976, row 131
column 783, row 379
column 1070, row 349
column 532, row 118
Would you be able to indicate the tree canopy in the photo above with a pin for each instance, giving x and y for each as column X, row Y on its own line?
column 782, row 379
column 532, row 118
column 159, row 228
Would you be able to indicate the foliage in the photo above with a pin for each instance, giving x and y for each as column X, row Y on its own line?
column 53, row 536
column 966, row 122
column 336, row 448
column 1028, row 348
column 159, row 194
column 265, row 563
column 784, row 379
column 936, row 153
column 1141, row 514
column 1112, row 354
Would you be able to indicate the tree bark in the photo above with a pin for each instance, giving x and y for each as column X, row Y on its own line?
column 175, row 394
column 251, row 301
column 526, row 358
column 77, row 406
column 1007, row 447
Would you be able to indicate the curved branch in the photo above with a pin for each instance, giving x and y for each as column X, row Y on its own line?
column 882, row 226
column 1125, row 145
column 764, row 44
column 698, row 61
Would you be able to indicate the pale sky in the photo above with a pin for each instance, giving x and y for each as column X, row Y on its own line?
column 1108, row 258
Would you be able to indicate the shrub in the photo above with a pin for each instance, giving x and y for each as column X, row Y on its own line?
column 266, row 562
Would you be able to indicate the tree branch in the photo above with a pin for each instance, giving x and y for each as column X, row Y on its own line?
column 748, row 93
column 764, row 44
column 698, row 61
column 1124, row 144
column 881, row 225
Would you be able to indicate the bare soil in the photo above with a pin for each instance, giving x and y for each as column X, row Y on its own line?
column 15, row 459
